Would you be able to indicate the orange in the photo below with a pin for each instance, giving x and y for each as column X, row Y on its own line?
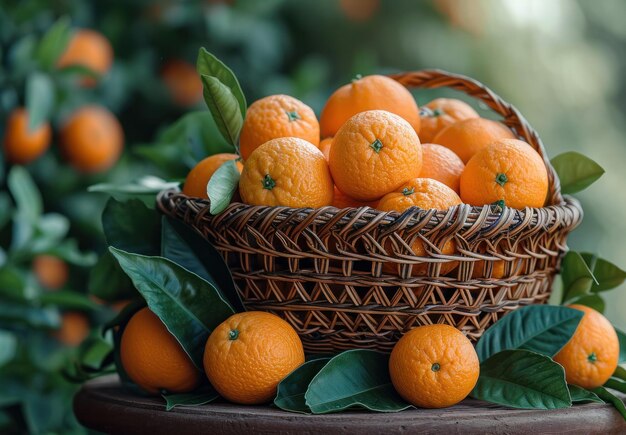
column 368, row 93
column 198, row 178
column 427, row 194
column 374, row 153
column 153, row 358
column 341, row 200
column 325, row 146
column 182, row 82
column 20, row 145
column 74, row 328
column 90, row 49
column 51, row 272
column 592, row 354
column 434, row 366
column 509, row 170
column 249, row 354
column 359, row 10
column 441, row 113
column 469, row 136
column 274, row 117
column 288, row 171
column 92, row 139
column 497, row 270
column 441, row 164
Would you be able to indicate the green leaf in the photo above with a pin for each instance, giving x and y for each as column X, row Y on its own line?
column 39, row 99
column 209, row 65
column 8, row 346
column 622, row 345
column 189, row 306
column 95, row 352
column 594, row 301
column 68, row 250
column 611, row 398
column 18, row 314
column 145, row 189
column 522, row 379
column 607, row 274
column 132, row 227
column 616, row 384
column 80, row 70
column 355, row 378
column 576, row 171
column 6, row 207
column 580, row 395
column 222, row 186
column 54, row 43
column 202, row 396
column 68, row 300
column 108, row 281
column 577, row 278
column 27, row 197
column 291, row 390
column 544, row 329
column 224, row 108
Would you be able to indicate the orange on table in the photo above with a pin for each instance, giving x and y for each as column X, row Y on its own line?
column 441, row 113
column 153, row 358
column 427, row 194
column 247, row 356
column 20, row 145
column 341, row 200
column 441, row 164
column 90, row 49
column 74, row 328
column 92, row 139
column 592, row 354
column 374, row 153
column 508, row 170
column 51, row 271
column 469, row 136
column 274, row 117
column 198, row 178
column 325, row 145
column 182, row 82
column 434, row 366
column 373, row 92
column 287, row 171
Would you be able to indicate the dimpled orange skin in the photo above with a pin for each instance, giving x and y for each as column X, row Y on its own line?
column 51, row 272
column 90, row 49
column 469, row 136
column 434, row 366
column 374, row 153
column 325, row 145
column 183, row 82
column 428, row 194
column 247, row 356
column 592, row 354
column 154, row 359
column 508, row 170
column 274, row 117
column 341, row 200
column 288, row 171
column 441, row 164
column 92, row 139
column 198, row 178
column 20, row 145
column 373, row 92
column 441, row 113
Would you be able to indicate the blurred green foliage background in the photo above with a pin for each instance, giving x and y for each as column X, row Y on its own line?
column 561, row 62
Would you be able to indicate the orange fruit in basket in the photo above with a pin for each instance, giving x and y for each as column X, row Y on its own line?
column 325, row 146
column 497, row 270
column 341, row 200
column 592, row 354
column 249, row 354
column 373, row 92
column 90, row 49
column 274, row 117
column 74, row 328
column 441, row 113
column 427, row 194
column 51, row 272
column 182, row 82
column 92, row 139
column 469, row 136
column 434, row 366
column 20, row 145
column 287, row 171
column 374, row 153
column 441, row 164
column 153, row 358
column 198, row 178
column 509, row 170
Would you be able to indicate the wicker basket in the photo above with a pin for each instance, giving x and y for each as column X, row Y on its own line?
column 322, row 269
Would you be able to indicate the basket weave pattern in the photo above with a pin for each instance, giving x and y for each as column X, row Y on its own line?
column 322, row 269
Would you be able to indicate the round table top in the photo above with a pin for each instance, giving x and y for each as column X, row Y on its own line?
column 103, row 405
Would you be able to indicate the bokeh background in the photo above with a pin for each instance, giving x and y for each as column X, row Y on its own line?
column 561, row 62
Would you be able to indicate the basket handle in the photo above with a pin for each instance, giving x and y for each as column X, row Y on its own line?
column 435, row 78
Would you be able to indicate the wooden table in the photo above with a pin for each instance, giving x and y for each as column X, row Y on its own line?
column 105, row 406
